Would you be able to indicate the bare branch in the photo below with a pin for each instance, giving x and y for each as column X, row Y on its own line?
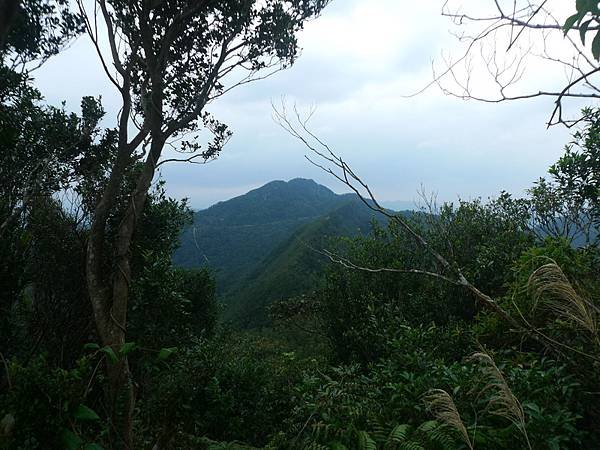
column 507, row 68
column 339, row 169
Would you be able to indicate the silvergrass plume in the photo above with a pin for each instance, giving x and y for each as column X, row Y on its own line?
column 501, row 401
column 551, row 289
column 441, row 405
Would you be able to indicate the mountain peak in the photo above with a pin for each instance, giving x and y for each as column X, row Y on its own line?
column 294, row 182
column 304, row 182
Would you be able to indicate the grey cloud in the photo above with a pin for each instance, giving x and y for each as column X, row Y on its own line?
column 453, row 147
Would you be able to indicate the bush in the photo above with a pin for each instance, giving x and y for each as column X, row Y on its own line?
column 50, row 408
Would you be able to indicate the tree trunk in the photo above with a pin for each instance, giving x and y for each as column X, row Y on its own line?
column 122, row 400
column 110, row 298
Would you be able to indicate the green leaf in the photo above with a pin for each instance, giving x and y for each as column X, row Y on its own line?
column 127, row 348
column 165, row 353
column 428, row 426
column 583, row 6
column 583, row 29
column 91, row 346
column 70, row 440
column 84, row 413
column 110, row 354
column 596, row 46
column 570, row 22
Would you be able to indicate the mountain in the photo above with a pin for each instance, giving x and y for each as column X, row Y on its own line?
column 295, row 266
column 234, row 236
column 401, row 205
column 256, row 243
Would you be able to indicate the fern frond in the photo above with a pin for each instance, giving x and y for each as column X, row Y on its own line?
column 443, row 409
column 550, row 287
column 429, row 426
column 442, row 438
column 316, row 446
column 365, row 442
column 399, row 433
column 377, row 431
column 411, row 445
column 324, row 431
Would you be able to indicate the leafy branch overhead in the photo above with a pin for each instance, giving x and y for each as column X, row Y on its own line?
column 586, row 20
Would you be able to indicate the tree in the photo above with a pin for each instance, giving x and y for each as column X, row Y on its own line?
column 43, row 151
column 445, row 267
column 170, row 59
column 34, row 30
column 500, row 38
column 577, row 172
column 34, row 140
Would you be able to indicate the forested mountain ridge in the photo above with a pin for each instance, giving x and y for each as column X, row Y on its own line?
column 240, row 237
column 295, row 266
column 236, row 234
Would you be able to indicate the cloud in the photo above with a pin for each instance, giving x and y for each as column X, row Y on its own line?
column 358, row 61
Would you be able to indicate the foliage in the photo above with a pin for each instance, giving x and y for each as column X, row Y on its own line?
column 44, row 149
column 576, row 172
column 294, row 267
column 346, row 399
column 40, row 29
column 363, row 309
column 49, row 406
column 237, row 238
column 585, row 20
column 232, row 388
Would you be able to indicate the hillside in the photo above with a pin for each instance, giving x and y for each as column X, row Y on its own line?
column 234, row 236
column 294, row 267
column 256, row 243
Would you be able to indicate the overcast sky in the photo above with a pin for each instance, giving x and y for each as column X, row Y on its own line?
column 358, row 61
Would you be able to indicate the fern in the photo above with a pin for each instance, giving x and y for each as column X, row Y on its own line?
column 399, row 433
column 428, row 426
column 326, row 432
column 429, row 435
column 316, row 446
column 365, row 442
column 410, row 445
column 442, row 438
column 378, row 432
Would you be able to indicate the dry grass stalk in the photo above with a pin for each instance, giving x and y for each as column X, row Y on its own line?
column 501, row 401
column 443, row 409
column 551, row 289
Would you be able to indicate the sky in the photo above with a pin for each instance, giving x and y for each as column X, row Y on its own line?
column 359, row 61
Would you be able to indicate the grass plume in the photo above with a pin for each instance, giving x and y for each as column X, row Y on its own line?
column 500, row 399
column 441, row 405
column 550, row 288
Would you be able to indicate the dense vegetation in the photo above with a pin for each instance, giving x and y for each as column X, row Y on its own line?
column 357, row 342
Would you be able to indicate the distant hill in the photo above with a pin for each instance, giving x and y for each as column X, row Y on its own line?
column 256, row 243
column 294, row 267
column 402, row 205
column 234, row 236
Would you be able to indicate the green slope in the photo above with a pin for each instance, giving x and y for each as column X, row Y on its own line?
column 294, row 267
column 234, row 237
